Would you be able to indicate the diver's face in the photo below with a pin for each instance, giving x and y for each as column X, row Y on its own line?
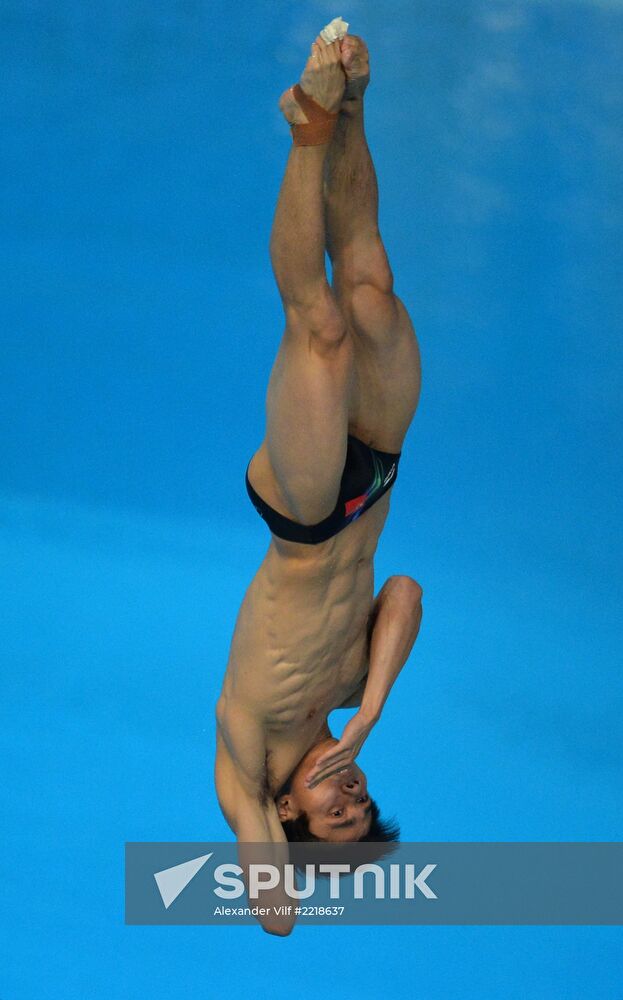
column 338, row 809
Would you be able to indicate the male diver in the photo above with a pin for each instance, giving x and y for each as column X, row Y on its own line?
column 310, row 636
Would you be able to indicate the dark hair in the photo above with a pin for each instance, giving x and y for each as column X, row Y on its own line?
column 381, row 831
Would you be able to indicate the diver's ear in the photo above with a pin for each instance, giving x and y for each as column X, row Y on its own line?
column 285, row 808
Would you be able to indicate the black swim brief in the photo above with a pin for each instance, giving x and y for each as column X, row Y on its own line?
column 368, row 474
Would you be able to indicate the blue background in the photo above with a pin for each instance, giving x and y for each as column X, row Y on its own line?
column 142, row 156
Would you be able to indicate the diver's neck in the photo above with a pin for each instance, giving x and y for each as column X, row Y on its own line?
column 323, row 734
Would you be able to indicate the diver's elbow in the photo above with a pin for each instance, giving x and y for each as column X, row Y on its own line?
column 408, row 591
column 278, row 929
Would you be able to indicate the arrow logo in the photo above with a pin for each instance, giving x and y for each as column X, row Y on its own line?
column 172, row 881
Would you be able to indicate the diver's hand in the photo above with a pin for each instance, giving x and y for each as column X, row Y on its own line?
column 343, row 753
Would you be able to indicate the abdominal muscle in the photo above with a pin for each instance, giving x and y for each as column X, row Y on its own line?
column 300, row 645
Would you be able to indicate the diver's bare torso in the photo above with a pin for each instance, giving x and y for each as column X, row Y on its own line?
column 300, row 647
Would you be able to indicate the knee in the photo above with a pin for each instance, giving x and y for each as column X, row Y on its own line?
column 320, row 320
column 365, row 285
column 364, row 264
column 372, row 307
column 378, row 274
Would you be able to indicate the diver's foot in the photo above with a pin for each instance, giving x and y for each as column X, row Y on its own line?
column 356, row 64
column 322, row 80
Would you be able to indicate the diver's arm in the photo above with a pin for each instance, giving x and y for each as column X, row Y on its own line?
column 251, row 817
column 248, row 806
column 354, row 699
column 240, row 775
column 394, row 625
column 396, row 619
column 409, row 602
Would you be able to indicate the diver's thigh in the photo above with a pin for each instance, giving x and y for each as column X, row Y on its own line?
column 308, row 405
column 388, row 376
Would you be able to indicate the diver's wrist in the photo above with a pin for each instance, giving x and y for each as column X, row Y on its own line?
column 370, row 711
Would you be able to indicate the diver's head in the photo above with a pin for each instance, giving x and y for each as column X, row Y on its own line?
column 339, row 809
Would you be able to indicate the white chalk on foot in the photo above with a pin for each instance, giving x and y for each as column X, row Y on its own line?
column 336, row 30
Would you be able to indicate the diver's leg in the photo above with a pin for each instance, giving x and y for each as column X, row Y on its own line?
column 387, row 359
column 299, row 466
